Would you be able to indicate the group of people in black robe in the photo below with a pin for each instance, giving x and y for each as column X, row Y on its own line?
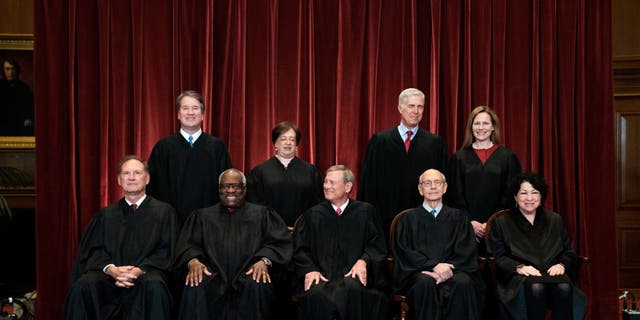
column 302, row 235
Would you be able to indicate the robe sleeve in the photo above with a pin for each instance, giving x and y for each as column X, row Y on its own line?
column 162, row 257
column 455, row 180
column 407, row 260
column 159, row 172
column 190, row 243
column 276, row 239
column 318, row 182
column 512, row 169
column 255, row 188
column 92, row 255
column 498, row 247
column 465, row 253
column 568, row 257
column 367, row 186
column 302, row 256
column 375, row 249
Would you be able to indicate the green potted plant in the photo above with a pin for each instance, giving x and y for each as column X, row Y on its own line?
column 11, row 178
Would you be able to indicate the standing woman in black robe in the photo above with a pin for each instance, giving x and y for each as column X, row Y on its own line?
column 536, row 265
column 285, row 182
column 290, row 186
column 481, row 170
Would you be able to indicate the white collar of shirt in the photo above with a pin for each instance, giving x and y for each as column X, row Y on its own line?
column 403, row 131
column 429, row 209
column 342, row 207
column 186, row 136
column 139, row 202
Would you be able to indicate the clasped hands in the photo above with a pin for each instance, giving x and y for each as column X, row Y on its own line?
column 359, row 270
column 441, row 272
column 554, row 270
column 125, row 276
column 197, row 270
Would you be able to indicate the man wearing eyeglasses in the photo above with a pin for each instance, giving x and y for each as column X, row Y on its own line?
column 436, row 257
column 228, row 250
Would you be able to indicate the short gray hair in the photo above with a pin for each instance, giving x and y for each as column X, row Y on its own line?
column 348, row 174
column 410, row 92
column 244, row 179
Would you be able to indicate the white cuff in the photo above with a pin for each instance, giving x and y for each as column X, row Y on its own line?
column 107, row 267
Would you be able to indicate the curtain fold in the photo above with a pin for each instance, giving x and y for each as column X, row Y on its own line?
column 107, row 78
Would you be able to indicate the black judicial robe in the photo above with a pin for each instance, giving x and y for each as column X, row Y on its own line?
column 481, row 189
column 185, row 177
column 514, row 241
column 289, row 190
column 117, row 235
column 229, row 243
column 421, row 242
column 331, row 245
column 389, row 175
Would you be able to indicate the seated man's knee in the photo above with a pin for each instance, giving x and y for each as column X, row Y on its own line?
column 423, row 281
column 462, row 280
column 89, row 281
column 353, row 284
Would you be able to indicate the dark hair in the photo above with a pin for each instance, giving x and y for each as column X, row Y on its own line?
column 283, row 127
column 495, row 121
column 132, row 157
column 536, row 181
column 15, row 65
column 190, row 93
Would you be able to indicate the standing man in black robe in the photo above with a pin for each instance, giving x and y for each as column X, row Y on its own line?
column 435, row 263
column 395, row 158
column 182, row 165
column 125, row 254
column 339, row 249
column 228, row 249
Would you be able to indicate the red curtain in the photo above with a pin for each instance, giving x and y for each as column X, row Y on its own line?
column 107, row 74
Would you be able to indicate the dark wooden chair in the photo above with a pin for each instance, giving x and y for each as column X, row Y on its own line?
column 397, row 298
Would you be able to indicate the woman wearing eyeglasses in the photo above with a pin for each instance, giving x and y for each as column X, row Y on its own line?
column 536, row 265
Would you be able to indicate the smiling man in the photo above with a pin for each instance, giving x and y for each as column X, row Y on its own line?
column 395, row 157
column 125, row 255
column 339, row 246
column 182, row 164
column 436, row 257
column 228, row 250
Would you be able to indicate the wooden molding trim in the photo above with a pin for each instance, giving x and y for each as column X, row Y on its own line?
column 626, row 75
column 17, row 143
column 12, row 41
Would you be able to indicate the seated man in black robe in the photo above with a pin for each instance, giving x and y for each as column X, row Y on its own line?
column 436, row 257
column 227, row 249
column 125, row 254
column 339, row 249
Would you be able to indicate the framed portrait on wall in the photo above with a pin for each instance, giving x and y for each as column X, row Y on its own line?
column 17, row 140
column 16, row 85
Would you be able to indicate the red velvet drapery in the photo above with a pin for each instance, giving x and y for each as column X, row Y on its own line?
column 107, row 73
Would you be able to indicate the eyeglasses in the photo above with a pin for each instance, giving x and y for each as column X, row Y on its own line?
column 429, row 183
column 235, row 186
